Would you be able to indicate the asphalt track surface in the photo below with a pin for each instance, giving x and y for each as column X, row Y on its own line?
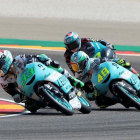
column 113, row 123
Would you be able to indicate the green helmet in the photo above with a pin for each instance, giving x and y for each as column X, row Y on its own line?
column 6, row 60
column 80, row 62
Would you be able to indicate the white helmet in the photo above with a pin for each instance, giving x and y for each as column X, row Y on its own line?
column 18, row 64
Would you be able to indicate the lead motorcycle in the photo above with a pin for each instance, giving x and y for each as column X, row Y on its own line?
column 46, row 85
column 117, row 82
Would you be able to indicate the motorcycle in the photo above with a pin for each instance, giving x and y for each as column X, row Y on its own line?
column 103, row 51
column 115, row 81
column 100, row 51
column 43, row 84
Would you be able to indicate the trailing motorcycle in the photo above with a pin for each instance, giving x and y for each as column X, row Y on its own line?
column 103, row 51
column 100, row 51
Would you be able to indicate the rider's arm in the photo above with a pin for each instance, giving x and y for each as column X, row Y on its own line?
column 50, row 63
column 75, row 82
column 11, row 89
column 56, row 66
column 88, row 48
column 95, row 62
column 85, row 40
column 105, row 43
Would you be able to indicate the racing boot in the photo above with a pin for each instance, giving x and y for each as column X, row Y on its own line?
column 134, row 71
column 89, row 89
column 91, row 96
column 33, row 105
column 103, row 102
column 125, row 105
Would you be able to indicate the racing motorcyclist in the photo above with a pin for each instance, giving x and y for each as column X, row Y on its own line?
column 10, row 68
column 74, row 44
column 82, row 64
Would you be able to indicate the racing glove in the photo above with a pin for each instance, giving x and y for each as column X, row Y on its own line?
column 75, row 82
column 122, row 62
column 43, row 57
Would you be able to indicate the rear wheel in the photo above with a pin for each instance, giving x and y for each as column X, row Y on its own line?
column 58, row 102
column 126, row 93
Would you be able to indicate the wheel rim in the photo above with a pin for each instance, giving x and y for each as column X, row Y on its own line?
column 131, row 95
column 62, row 101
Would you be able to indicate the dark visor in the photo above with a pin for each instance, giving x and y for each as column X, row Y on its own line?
column 82, row 64
column 74, row 45
column 2, row 62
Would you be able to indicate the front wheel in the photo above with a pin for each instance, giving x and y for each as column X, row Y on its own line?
column 85, row 106
column 59, row 103
column 126, row 93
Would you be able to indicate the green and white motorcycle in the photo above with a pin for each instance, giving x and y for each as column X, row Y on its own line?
column 43, row 84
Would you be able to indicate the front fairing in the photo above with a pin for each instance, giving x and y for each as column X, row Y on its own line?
column 109, row 71
column 102, row 51
column 37, row 71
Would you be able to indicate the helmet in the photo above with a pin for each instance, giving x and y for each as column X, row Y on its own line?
column 6, row 60
column 18, row 61
column 72, row 41
column 80, row 62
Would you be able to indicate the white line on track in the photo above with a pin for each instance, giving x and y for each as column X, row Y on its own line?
column 61, row 50
column 33, row 49
column 129, row 54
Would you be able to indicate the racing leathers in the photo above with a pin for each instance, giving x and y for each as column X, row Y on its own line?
column 9, row 84
column 92, row 51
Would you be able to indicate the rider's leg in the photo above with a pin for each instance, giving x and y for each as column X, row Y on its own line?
column 127, row 65
column 33, row 105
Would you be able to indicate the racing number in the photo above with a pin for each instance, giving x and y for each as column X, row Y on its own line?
column 97, row 55
column 102, row 74
column 41, row 66
column 62, row 81
column 27, row 75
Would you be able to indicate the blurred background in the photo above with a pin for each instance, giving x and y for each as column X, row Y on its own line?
column 117, row 21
